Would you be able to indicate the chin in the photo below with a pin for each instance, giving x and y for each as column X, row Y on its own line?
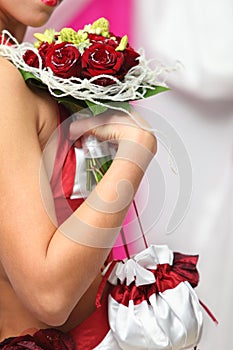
column 39, row 20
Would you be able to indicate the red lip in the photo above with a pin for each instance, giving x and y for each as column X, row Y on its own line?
column 50, row 2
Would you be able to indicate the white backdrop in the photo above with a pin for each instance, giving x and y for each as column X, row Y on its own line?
column 200, row 108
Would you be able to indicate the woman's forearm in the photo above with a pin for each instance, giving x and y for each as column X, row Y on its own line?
column 92, row 229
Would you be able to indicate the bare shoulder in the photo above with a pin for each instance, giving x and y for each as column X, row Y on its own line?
column 14, row 94
column 20, row 104
column 10, row 76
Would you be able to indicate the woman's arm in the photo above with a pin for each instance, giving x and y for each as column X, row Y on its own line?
column 47, row 266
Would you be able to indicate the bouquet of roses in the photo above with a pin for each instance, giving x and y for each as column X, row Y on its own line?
column 88, row 53
column 89, row 68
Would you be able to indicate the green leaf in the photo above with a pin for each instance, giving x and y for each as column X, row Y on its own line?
column 154, row 91
column 98, row 109
column 32, row 80
column 72, row 104
column 28, row 75
column 123, row 105
column 72, row 107
column 95, row 108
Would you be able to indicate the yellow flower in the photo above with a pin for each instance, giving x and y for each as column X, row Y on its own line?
column 123, row 43
column 99, row 27
column 48, row 36
column 79, row 39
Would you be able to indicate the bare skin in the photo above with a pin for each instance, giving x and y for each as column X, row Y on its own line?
column 46, row 279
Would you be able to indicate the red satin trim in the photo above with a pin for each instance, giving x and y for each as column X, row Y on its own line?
column 167, row 277
column 183, row 269
column 103, row 283
column 68, row 172
column 62, row 180
column 93, row 330
column 123, row 294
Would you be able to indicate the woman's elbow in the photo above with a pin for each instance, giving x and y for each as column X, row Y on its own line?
column 53, row 309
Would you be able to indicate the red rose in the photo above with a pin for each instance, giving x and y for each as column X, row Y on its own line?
column 117, row 38
column 64, row 60
column 43, row 50
column 131, row 58
column 102, row 59
column 94, row 38
column 31, row 59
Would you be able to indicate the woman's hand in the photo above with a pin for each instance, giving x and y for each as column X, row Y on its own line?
column 116, row 127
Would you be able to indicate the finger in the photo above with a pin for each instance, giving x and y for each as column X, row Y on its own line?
column 86, row 126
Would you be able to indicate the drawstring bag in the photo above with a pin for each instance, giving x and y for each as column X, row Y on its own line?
column 153, row 304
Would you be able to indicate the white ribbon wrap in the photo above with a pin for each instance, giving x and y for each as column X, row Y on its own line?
column 130, row 271
column 136, row 268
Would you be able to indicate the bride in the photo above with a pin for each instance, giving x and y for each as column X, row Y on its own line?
column 47, row 279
